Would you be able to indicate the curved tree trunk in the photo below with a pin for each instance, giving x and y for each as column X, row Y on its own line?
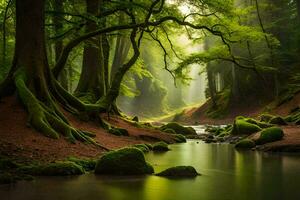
column 38, row 90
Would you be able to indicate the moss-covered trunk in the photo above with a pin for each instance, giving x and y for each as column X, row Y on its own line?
column 39, row 92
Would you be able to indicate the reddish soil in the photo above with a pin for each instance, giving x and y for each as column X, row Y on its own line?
column 290, row 141
column 19, row 140
column 197, row 115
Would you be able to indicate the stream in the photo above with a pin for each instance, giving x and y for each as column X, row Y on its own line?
column 227, row 174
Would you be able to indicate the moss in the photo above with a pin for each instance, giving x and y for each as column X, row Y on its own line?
column 180, row 138
column 277, row 120
column 168, row 130
column 86, row 164
column 179, row 171
column 242, row 127
column 265, row 117
column 126, row 161
column 53, row 169
column 258, row 123
column 144, row 148
column 245, row 144
column 178, row 129
column 160, row 146
column 118, row 131
column 149, row 146
column 270, row 135
column 135, row 119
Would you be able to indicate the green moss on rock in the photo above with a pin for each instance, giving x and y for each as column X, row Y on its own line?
column 179, row 171
column 160, row 146
column 144, row 148
column 179, row 138
column 178, row 129
column 245, row 144
column 118, row 131
column 270, row 135
column 61, row 168
column 242, row 127
column 126, row 161
column 277, row 120
column 265, row 117
column 258, row 123
column 87, row 164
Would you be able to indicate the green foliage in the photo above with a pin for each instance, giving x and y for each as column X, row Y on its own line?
column 177, row 128
column 270, row 135
column 160, row 146
column 245, row 144
column 126, row 161
column 179, row 171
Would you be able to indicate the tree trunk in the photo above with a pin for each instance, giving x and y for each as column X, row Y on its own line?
column 58, row 46
column 92, row 79
column 211, row 86
column 36, row 87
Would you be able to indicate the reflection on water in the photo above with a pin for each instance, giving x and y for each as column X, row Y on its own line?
column 227, row 174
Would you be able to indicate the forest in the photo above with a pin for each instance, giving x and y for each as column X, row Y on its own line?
column 150, row 99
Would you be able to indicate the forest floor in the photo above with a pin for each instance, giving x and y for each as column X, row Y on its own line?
column 19, row 140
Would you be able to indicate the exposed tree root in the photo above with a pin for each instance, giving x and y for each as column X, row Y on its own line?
column 46, row 117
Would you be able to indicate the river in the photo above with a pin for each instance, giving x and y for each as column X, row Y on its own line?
column 227, row 174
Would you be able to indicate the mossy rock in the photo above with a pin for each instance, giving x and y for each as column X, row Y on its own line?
column 258, row 123
column 118, row 131
column 245, row 144
column 179, row 172
column 149, row 146
column 180, row 138
column 126, row 161
column 160, row 146
column 178, row 129
column 62, row 168
column 270, row 135
column 144, row 148
column 87, row 164
column 277, row 120
column 168, row 130
column 265, row 117
column 242, row 127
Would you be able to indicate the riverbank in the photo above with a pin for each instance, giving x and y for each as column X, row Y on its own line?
column 20, row 141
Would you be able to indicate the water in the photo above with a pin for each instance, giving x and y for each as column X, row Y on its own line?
column 227, row 174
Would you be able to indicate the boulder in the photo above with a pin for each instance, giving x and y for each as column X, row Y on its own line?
column 126, row 161
column 270, row 135
column 160, row 146
column 178, row 129
column 242, row 127
column 179, row 171
column 245, row 144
